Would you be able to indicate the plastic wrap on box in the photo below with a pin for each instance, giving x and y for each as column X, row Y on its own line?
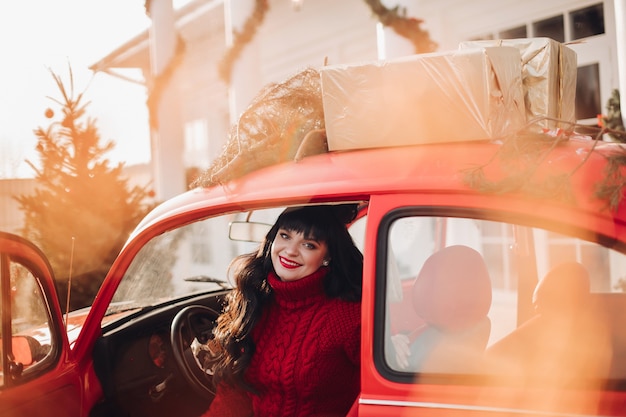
column 549, row 70
column 462, row 95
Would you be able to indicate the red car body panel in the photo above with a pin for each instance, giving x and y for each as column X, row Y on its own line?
column 388, row 178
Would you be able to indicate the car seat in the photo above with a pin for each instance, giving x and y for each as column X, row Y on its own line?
column 452, row 294
column 565, row 343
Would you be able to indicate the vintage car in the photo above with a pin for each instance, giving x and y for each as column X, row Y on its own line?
column 501, row 264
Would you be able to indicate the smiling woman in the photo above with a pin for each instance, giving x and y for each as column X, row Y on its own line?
column 296, row 303
column 295, row 256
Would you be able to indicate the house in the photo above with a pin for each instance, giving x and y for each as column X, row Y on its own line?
column 297, row 34
column 11, row 217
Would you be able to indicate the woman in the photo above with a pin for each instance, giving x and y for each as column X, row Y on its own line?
column 288, row 341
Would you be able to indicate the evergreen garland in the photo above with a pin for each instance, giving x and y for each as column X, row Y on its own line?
column 158, row 83
column 395, row 18
column 407, row 27
column 241, row 39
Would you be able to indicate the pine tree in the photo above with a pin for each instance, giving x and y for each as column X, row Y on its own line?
column 83, row 209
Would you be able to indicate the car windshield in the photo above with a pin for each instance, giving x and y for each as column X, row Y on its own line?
column 194, row 258
column 181, row 262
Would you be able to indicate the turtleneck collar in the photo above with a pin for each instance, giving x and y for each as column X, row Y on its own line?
column 299, row 292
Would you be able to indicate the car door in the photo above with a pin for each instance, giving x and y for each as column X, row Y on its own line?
column 37, row 376
column 506, row 307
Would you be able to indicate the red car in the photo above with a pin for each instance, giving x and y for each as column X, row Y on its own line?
column 504, row 277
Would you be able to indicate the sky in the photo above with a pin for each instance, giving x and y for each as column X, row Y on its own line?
column 39, row 36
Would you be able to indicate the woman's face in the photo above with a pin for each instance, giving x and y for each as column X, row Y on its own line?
column 295, row 257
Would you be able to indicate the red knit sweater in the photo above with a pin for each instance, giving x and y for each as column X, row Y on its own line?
column 307, row 356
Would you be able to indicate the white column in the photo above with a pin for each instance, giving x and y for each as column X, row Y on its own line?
column 167, row 138
column 620, row 44
column 246, row 76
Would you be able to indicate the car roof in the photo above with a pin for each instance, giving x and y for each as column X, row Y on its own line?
column 357, row 174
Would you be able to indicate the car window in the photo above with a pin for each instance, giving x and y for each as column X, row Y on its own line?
column 190, row 259
column 30, row 331
column 501, row 302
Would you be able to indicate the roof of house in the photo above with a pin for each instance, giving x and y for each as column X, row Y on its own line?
column 135, row 53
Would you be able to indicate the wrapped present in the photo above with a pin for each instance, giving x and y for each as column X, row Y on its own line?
column 549, row 70
column 461, row 95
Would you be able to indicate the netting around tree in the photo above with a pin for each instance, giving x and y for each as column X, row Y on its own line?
column 271, row 129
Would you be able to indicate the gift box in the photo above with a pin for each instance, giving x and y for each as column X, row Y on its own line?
column 462, row 95
column 549, row 70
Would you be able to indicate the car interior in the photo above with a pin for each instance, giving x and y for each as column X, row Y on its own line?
column 150, row 359
column 551, row 305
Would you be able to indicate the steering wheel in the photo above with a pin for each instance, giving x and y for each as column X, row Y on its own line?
column 190, row 330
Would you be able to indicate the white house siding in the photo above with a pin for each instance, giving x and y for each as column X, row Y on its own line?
column 342, row 31
column 11, row 218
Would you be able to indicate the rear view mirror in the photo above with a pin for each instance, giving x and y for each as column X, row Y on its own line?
column 248, row 231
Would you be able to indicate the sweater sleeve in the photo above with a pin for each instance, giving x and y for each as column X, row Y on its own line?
column 230, row 402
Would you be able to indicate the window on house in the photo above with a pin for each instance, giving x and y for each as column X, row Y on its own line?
column 588, row 21
column 588, row 103
column 552, row 27
column 486, row 37
column 196, row 143
column 514, row 33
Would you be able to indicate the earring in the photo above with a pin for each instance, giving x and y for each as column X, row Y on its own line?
column 325, row 262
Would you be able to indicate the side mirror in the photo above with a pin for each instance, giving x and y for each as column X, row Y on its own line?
column 22, row 356
column 248, row 231
column 22, row 352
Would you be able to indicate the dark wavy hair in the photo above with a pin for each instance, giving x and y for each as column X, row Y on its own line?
column 232, row 342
